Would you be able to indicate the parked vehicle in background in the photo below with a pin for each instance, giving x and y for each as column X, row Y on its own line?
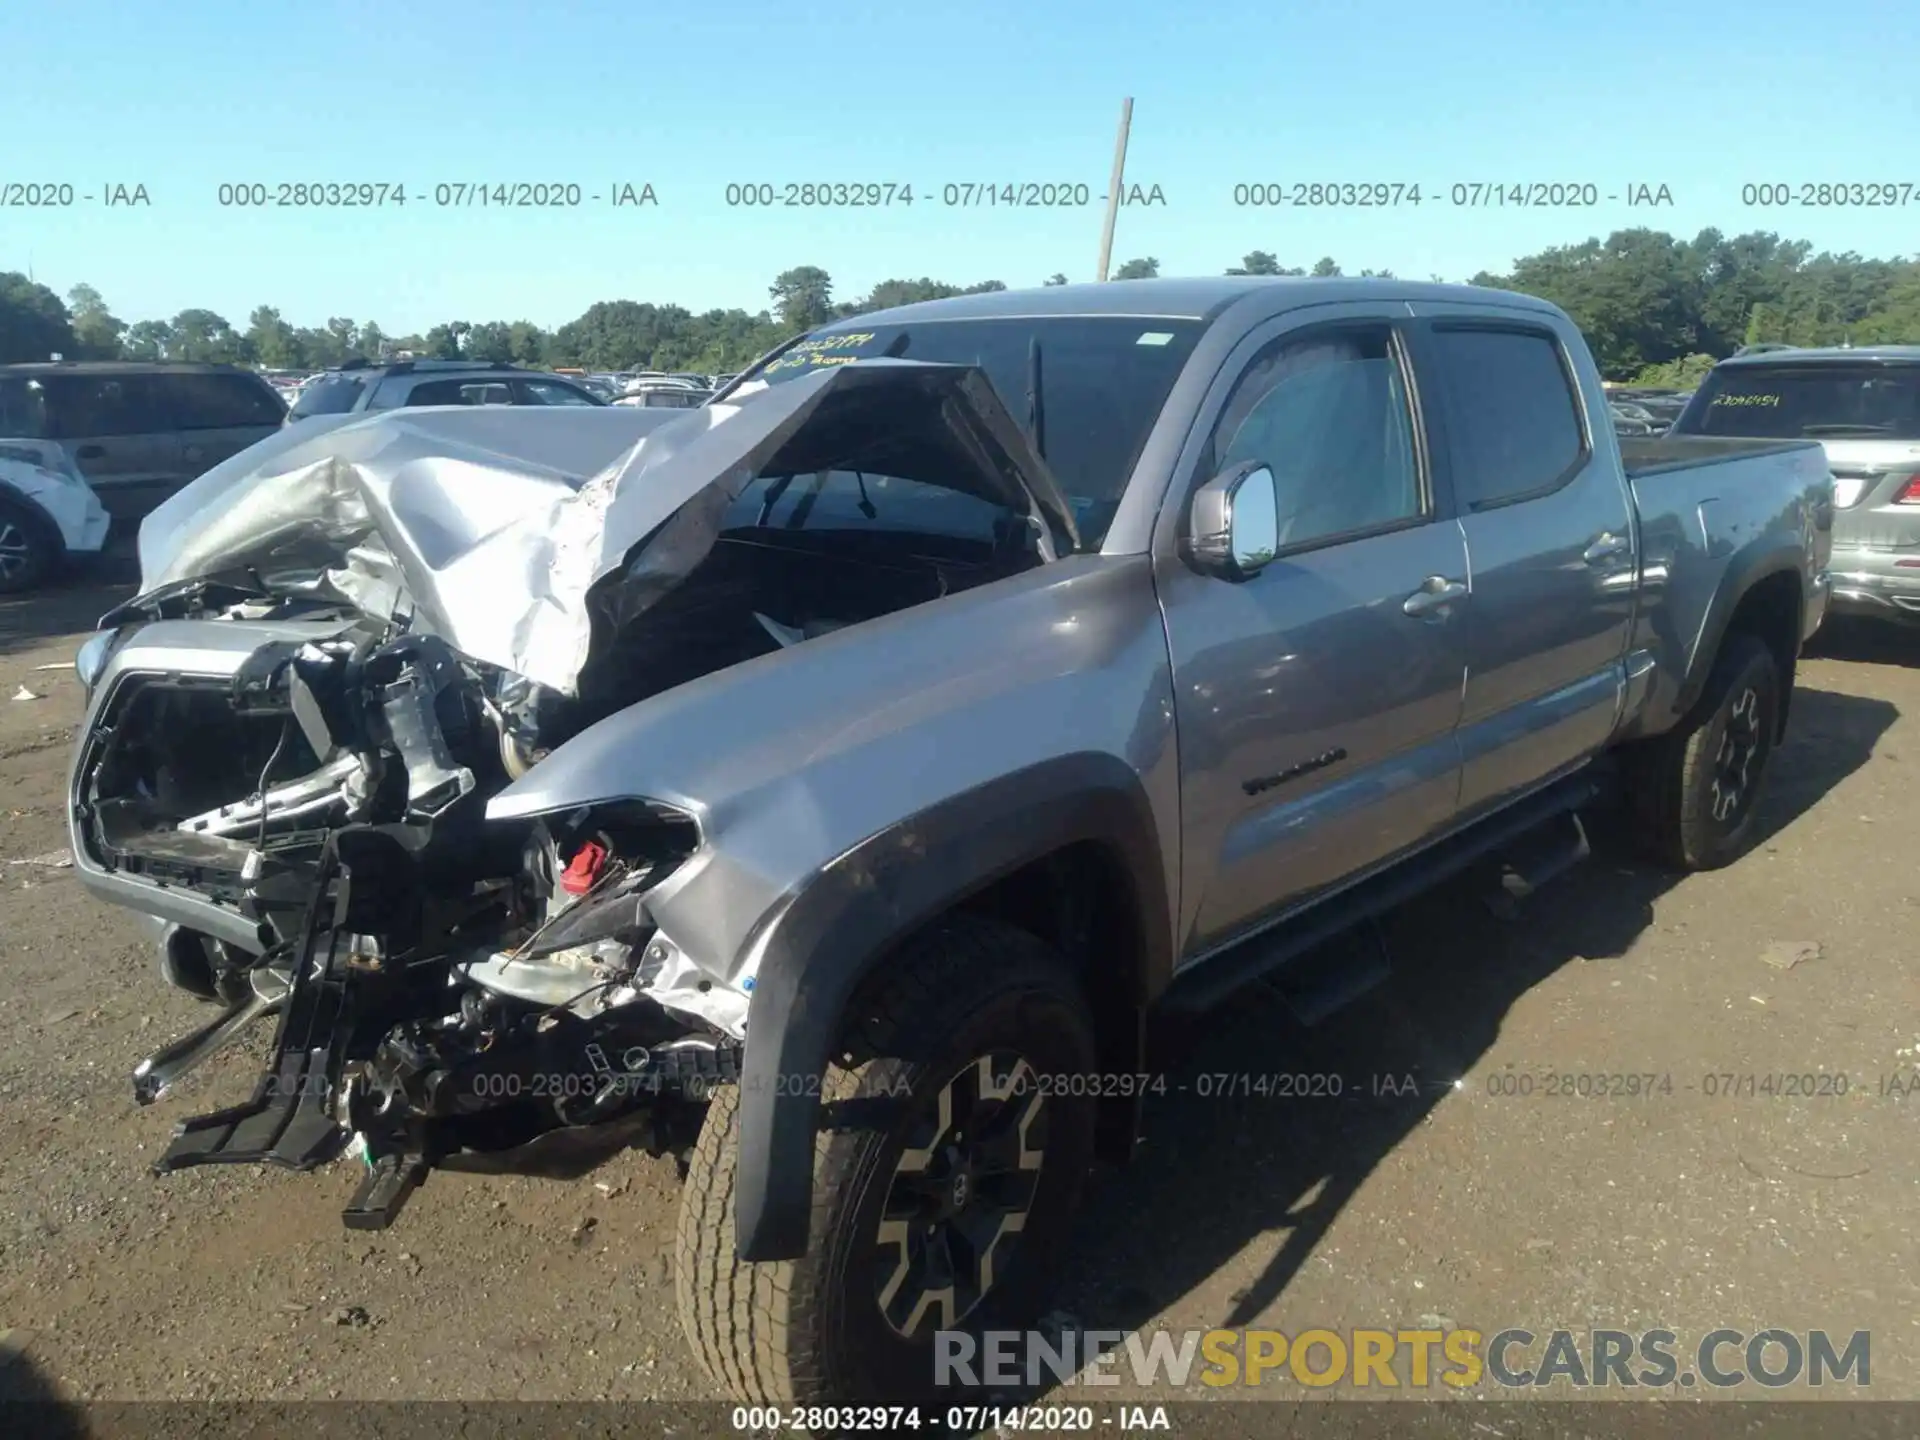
column 138, row 431
column 1629, row 419
column 1863, row 405
column 1005, row 673
column 406, row 384
column 665, row 393
column 49, row 515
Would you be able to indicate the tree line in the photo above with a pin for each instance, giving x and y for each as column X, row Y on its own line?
column 1654, row 308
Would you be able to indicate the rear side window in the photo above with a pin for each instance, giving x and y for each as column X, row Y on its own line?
column 553, row 392
column 1835, row 401
column 23, row 410
column 461, row 392
column 217, row 402
column 1513, row 423
column 88, row 407
column 333, row 395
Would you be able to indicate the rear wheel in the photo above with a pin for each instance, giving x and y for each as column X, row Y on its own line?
column 1696, row 790
column 943, row 1211
column 28, row 555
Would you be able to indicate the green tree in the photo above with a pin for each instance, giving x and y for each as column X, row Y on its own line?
column 802, row 297
column 1647, row 302
column 447, row 342
column 491, row 340
column 275, row 343
column 1896, row 320
column 205, row 337
column 1261, row 262
column 344, row 338
column 1325, row 268
column 148, row 340
column 1682, row 374
column 34, row 324
column 627, row 335
column 96, row 330
column 1738, row 275
column 527, row 341
column 889, row 293
column 1636, row 296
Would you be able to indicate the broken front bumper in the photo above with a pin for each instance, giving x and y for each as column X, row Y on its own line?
column 348, row 1070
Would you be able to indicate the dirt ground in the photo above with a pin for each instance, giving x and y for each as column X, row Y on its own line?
column 1443, row 1200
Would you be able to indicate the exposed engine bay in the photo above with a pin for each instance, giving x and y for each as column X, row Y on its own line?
column 452, row 989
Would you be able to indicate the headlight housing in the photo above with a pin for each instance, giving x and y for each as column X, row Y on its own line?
column 91, row 660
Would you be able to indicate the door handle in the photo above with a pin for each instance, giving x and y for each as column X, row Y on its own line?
column 1433, row 597
column 1605, row 548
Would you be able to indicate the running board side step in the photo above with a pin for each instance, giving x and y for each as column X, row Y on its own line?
column 1557, row 848
column 1317, row 977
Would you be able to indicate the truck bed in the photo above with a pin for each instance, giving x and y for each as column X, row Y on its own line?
column 1711, row 510
column 1654, row 454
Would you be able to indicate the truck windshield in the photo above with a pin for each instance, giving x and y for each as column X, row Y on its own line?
column 1104, row 379
column 1831, row 400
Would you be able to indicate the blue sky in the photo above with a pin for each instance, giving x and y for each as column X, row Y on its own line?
column 184, row 97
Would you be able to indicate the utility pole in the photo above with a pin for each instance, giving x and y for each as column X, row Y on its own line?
column 1113, row 186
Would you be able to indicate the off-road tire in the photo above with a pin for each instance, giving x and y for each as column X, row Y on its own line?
column 811, row 1331
column 1671, row 778
column 32, row 553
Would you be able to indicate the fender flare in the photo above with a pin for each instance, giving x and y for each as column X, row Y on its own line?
column 1743, row 573
column 817, row 948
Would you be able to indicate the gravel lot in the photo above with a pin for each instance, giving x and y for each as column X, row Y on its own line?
column 1684, row 1209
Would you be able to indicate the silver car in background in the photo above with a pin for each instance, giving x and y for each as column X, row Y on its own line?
column 1863, row 405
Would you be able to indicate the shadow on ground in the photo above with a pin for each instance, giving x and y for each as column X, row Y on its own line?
column 1217, row 1174
column 30, row 1404
column 67, row 607
column 1871, row 642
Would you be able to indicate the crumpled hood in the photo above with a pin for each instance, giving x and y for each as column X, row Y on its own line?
column 492, row 526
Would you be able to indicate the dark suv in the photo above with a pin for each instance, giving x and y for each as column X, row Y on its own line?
column 138, row 430
column 408, row 383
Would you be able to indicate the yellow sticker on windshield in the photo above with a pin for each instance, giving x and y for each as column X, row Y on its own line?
column 822, row 350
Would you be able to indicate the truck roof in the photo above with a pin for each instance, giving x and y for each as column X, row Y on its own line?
column 1196, row 298
column 121, row 367
column 1831, row 354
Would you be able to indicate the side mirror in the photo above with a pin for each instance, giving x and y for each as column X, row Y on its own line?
column 1235, row 522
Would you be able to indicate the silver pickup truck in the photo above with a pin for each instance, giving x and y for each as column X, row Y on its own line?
column 831, row 784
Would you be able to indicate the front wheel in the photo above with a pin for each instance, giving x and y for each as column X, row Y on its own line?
column 943, row 1212
column 1696, row 790
column 28, row 555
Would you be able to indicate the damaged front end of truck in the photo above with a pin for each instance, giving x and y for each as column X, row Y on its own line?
column 315, row 743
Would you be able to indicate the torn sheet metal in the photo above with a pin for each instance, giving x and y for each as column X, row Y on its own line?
column 492, row 526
